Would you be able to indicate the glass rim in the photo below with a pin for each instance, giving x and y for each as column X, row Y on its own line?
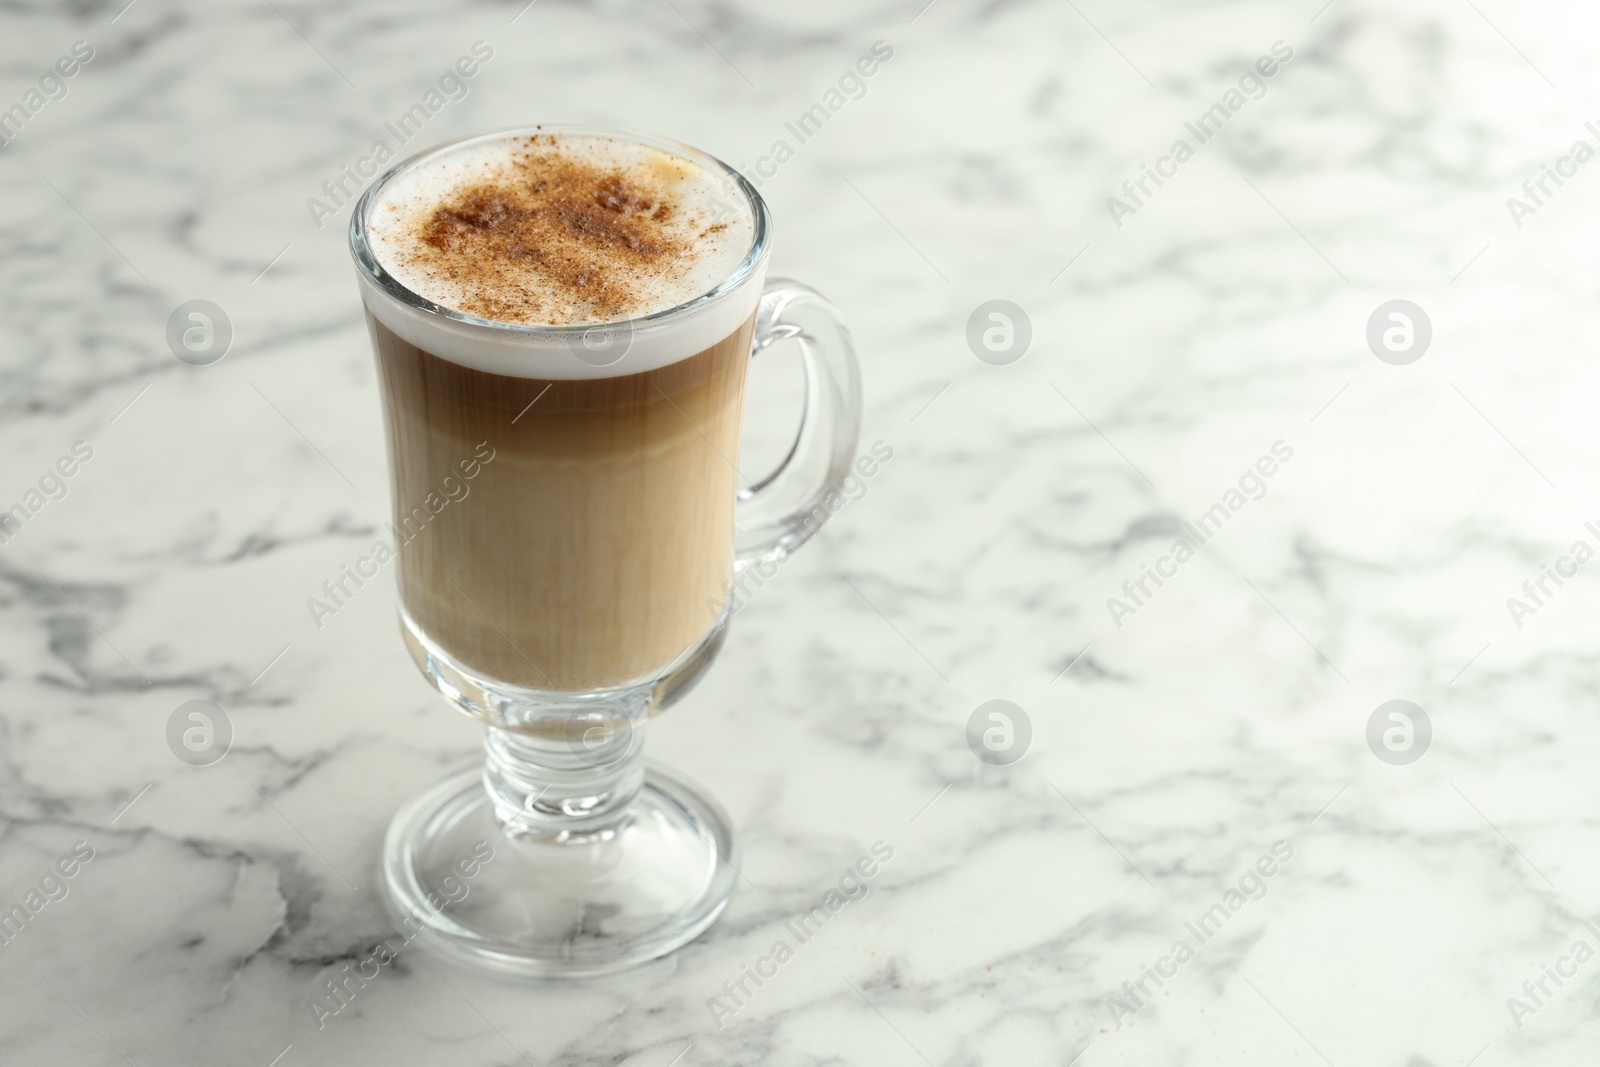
column 373, row 271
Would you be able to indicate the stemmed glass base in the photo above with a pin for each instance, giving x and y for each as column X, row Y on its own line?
column 590, row 904
column 565, row 852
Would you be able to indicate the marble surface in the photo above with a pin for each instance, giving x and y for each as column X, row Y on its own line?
column 1171, row 748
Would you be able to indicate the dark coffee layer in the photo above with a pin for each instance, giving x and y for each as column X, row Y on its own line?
column 588, row 548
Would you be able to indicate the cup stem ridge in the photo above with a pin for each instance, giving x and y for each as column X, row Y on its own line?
column 577, row 787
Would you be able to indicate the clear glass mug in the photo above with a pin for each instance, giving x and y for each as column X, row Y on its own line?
column 579, row 583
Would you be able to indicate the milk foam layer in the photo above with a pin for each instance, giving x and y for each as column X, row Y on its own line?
column 569, row 239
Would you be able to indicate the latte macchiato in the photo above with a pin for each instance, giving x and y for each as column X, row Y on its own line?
column 562, row 319
column 589, row 546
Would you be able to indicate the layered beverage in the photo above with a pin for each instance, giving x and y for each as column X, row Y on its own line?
column 562, row 324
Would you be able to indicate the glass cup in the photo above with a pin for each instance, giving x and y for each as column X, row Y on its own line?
column 569, row 525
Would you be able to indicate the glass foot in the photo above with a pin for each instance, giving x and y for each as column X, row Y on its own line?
column 456, row 882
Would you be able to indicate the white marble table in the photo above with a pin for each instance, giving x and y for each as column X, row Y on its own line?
column 1171, row 747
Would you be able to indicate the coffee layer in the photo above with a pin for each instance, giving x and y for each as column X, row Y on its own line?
column 595, row 548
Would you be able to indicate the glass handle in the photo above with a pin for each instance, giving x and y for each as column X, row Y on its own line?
column 782, row 511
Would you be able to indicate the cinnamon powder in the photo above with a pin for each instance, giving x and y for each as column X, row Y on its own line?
column 593, row 236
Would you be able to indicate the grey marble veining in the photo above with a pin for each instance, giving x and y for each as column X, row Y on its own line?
column 1171, row 748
